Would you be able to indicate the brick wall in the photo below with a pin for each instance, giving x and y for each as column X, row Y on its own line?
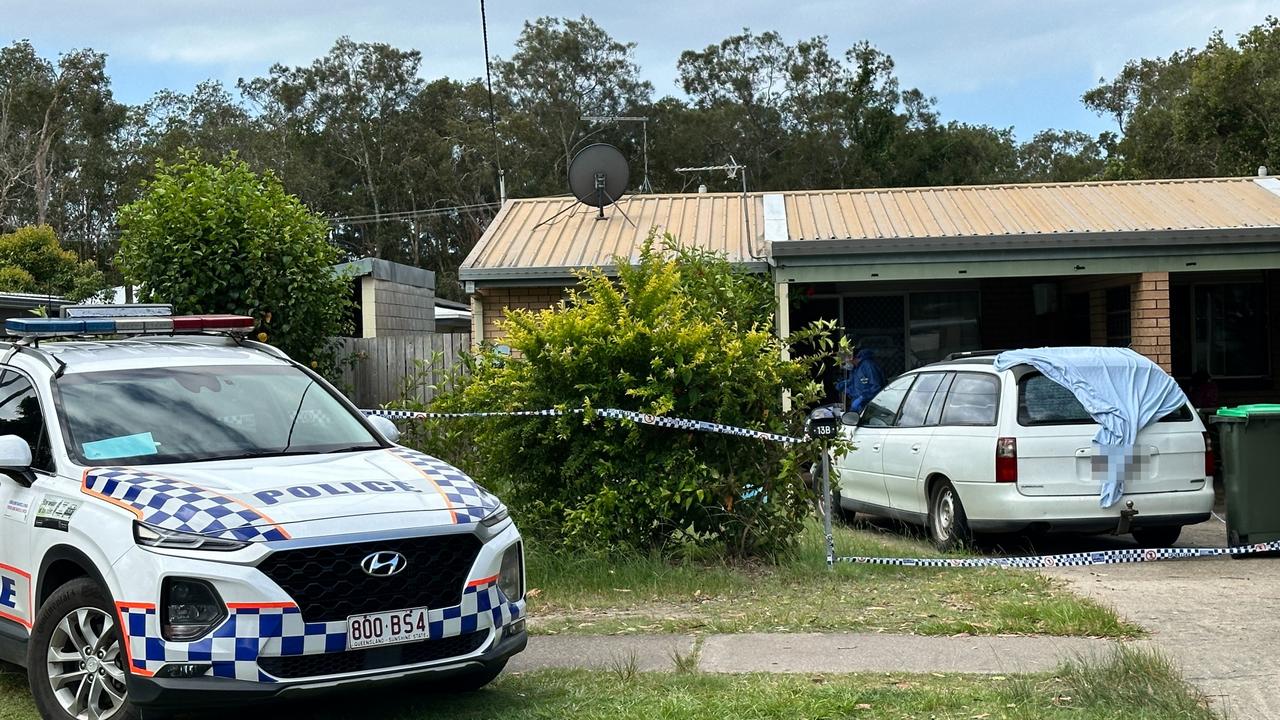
column 400, row 309
column 495, row 302
column 1150, row 318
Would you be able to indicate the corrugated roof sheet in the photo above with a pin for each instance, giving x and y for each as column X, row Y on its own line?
column 522, row 238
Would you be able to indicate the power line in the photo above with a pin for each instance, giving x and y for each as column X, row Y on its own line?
column 493, row 123
column 411, row 214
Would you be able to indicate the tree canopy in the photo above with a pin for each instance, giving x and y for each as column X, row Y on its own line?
column 404, row 167
column 32, row 261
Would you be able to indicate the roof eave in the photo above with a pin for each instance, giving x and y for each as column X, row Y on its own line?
column 952, row 243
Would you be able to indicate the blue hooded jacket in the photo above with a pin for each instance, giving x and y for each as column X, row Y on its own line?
column 862, row 383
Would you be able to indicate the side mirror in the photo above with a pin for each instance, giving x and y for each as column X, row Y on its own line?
column 15, row 458
column 851, row 417
column 384, row 427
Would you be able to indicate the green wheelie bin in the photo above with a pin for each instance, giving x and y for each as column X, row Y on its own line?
column 1249, row 440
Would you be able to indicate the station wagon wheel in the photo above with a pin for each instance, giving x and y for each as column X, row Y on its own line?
column 76, row 662
column 948, row 525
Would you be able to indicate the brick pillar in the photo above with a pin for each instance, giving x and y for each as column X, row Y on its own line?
column 1150, row 315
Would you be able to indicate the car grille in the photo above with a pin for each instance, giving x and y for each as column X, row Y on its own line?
column 328, row 583
column 379, row 658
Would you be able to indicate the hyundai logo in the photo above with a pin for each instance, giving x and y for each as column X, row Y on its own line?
column 383, row 564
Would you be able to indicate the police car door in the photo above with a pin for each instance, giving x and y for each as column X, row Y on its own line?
column 19, row 415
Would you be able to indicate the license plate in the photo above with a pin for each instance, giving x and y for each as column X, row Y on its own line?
column 387, row 628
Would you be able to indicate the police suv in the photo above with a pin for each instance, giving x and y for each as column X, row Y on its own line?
column 190, row 518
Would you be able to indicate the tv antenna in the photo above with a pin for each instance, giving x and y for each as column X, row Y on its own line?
column 645, row 187
column 732, row 168
column 598, row 177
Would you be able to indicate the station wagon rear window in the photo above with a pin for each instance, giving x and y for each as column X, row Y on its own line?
column 1042, row 401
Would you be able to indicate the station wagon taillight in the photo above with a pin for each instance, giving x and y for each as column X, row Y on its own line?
column 1208, row 455
column 1007, row 460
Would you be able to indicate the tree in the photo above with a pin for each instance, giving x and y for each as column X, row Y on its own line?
column 32, row 261
column 58, row 125
column 224, row 239
column 1064, row 156
column 561, row 71
column 1209, row 112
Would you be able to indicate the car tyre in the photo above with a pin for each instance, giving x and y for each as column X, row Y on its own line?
column 1157, row 537
column 76, row 659
column 839, row 513
column 948, row 524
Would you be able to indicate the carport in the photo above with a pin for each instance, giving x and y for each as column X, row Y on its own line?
column 1183, row 271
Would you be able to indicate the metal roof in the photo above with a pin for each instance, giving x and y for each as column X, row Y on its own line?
column 552, row 237
column 826, row 222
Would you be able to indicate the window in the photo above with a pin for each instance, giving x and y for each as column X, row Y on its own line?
column 1119, row 317
column 916, row 406
column 883, row 409
column 1230, row 329
column 187, row 414
column 1042, row 401
column 935, row 410
column 941, row 323
column 972, row 400
column 20, row 415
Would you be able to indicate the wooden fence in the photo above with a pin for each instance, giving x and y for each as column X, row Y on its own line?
column 378, row 367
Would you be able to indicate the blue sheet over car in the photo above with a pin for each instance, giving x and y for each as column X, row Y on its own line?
column 1121, row 390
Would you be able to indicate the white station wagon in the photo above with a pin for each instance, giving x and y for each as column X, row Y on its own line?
column 963, row 448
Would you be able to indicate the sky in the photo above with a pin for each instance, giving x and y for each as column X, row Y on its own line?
column 1006, row 63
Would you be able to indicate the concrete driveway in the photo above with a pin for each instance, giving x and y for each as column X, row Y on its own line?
column 1218, row 618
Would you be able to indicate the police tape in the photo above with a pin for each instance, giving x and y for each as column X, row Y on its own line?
column 1100, row 557
column 662, row 421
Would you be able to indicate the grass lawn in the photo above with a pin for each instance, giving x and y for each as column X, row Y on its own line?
column 1132, row 685
column 591, row 595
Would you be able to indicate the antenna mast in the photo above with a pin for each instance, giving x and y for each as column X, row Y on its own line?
column 731, row 168
column 645, row 186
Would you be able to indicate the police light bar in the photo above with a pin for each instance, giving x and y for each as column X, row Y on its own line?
column 140, row 325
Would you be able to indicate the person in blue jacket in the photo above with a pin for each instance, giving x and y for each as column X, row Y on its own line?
column 863, row 378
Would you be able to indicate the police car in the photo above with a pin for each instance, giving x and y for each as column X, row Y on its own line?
column 191, row 518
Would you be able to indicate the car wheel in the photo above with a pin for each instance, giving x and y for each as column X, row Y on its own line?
column 75, row 663
column 948, row 525
column 1157, row 537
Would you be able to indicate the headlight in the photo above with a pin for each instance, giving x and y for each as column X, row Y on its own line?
column 158, row 537
column 190, row 609
column 496, row 517
column 511, row 574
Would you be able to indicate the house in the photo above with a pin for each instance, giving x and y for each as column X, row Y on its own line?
column 391, row 298
column 1186, row 272
column 452, row 316
column 23, row 304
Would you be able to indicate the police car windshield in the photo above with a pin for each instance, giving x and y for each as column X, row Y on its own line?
column 187, row 414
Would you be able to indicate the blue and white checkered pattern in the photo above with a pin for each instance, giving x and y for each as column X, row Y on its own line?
column 176, row 505
column 273, row 630
column 662, row 421
column 468, row 501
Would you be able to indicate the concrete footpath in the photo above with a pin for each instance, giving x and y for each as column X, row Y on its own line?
column 808, row 653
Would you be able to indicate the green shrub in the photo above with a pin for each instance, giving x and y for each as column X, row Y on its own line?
column 680, row 333
column 224, row 239
column 32, row 261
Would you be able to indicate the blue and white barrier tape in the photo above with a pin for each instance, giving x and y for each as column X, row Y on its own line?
column 1101, row 557
column 663, row 421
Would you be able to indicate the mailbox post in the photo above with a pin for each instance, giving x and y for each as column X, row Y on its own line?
column 824, row 423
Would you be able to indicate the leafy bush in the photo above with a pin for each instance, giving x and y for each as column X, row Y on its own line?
column 680, row 333
column 223, row 239
column 32, row 261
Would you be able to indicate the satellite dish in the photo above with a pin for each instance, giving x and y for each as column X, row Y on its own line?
column 598, row 175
